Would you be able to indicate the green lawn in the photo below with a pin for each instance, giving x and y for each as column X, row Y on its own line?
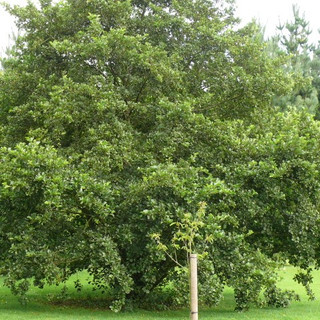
column 38, row 308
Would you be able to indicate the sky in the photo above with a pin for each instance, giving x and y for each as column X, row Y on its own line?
column 268, row 12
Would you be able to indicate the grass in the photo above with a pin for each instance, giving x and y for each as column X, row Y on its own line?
column 39, row 307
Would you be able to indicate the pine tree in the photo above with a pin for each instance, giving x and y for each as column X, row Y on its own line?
column 293, row 41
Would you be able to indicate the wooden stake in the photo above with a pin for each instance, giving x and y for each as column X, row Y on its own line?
column 193, row 287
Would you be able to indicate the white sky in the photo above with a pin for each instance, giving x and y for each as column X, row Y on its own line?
column 7, row 26
column 268, row 12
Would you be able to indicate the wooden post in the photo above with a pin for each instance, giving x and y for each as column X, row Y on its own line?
column 193, row 287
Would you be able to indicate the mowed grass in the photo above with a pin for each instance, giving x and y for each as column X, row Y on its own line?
column 40, row 308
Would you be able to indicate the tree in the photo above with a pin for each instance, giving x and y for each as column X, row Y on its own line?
column 293, row 40
column 117, row 119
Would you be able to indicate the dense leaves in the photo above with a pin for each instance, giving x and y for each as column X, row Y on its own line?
column 124, row 125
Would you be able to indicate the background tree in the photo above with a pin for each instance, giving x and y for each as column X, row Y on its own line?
column 118, row 118
column 293, row 40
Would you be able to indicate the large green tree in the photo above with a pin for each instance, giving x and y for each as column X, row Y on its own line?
column 119, row 119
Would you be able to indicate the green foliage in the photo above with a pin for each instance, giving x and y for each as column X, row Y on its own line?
column 118, row 119
column 278, row 298
column 302, row 62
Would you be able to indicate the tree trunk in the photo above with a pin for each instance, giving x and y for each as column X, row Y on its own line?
column 193, row 287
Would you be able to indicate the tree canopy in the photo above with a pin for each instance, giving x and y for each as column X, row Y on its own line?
column 125, row 122
column 293, row 41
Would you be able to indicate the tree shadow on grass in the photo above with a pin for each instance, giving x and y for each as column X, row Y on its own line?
column 83, row 306
column 93, row 308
